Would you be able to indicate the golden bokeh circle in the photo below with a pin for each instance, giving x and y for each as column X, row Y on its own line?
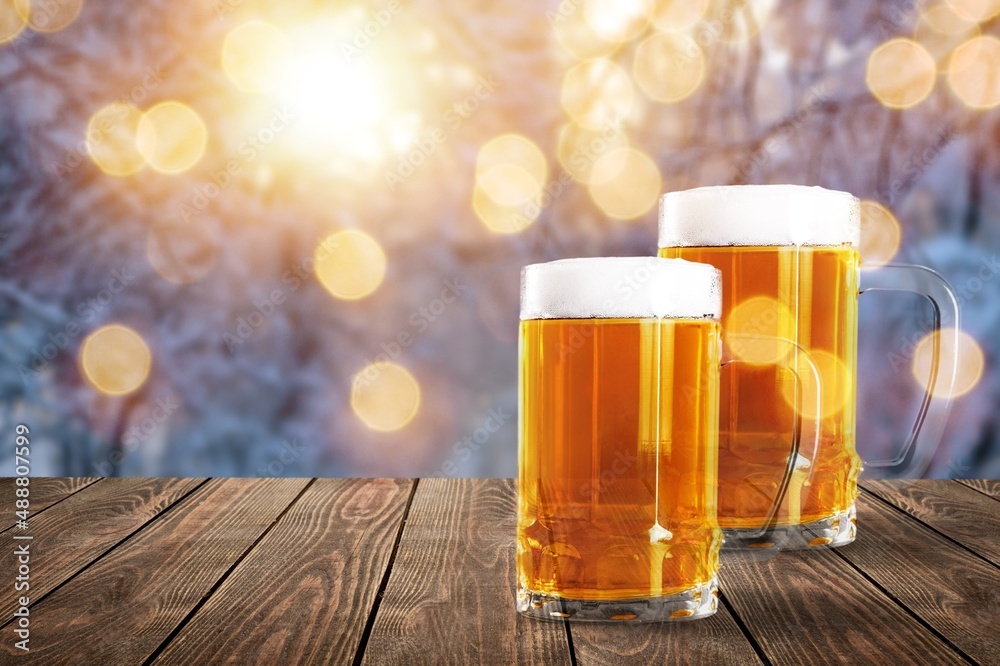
column 757, row 330
column 617, row 20
column 943, row 20
column 255, row 55
column 971, row 362
column 573, row 33
column 350, row 264
column 632, row 190
column 48, row 15
column 974, row 72
column 678, row 15
column 511, row 169
column 669, row 68
column 579, row 148
column 385, row 396
column 504, row 218
column 597, row 93
column 901, row 73
column 836, row 385
column 112, row 135
column 975, row 10
column 115, row 360
column 880, row 234
column 13, row 19
column 172, row 137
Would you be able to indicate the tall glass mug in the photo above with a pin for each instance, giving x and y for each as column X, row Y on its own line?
column 619, row 371
column 790, row 271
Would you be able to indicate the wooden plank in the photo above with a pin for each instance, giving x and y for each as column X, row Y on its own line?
column 44, row 491
column 812, row 607
column 949, row 588
column 122, row 607
column 714, row 640
column 450, row 596
column 307, row 588
column 989, row 487
column 959, row 512
column 76, row 531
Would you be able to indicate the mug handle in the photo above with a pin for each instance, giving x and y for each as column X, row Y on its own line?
column 928, row 427
column 794, row 359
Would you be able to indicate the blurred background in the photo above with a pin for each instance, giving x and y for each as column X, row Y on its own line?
column 284, row 238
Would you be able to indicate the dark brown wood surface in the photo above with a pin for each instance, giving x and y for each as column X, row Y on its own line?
column 376, row 571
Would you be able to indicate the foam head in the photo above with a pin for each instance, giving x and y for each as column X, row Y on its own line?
column 763, row 215
column 620, row 288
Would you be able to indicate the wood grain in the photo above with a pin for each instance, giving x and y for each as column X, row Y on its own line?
column 959, row 512
column 811, row 607
column 76, row 531
column 714, row 640
column 308, row 586
column 989, row 487
column 122, row 607
column 43, row 492
column 450, row 597
column 946, row 586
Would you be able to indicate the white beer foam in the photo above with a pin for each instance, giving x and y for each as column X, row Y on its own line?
column 768, row 215
column 620, row 288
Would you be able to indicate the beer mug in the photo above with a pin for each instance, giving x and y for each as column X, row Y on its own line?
column 791, row 271
column 618, row 433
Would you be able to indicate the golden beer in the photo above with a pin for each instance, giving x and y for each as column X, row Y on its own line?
column 618, row 451
column 807, row 295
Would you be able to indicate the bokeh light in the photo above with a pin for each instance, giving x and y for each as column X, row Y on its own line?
column 511, row 169
column 504, row 218
column 112, row 136
column 975, row 10
column 901, row 73
column 350, row 264
column 757, row 330
column 669, row 68
column 12, row 19
column 172, row 137
column 971, row 362
column 255, row 55
column 385, row 396
column 974, row 72
column 579, row 148
column 181, row 252
column 880, row 234
column 115, row 360
column 597, row 93
column 836, row 383
column 943, row 20
column 677, row 15
column 617, row 20
column 574, row 34
column 625, row 183
column 940, row 30
column 49, row 15
column 744, row 19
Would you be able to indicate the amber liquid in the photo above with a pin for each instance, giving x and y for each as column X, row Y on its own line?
column 618, row 457
column 815, row 291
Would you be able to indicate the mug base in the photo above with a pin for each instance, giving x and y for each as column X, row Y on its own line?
column 837, row 530
column 698, row 602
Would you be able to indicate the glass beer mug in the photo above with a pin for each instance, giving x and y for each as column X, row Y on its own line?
column 619, row 400
column 790, row 271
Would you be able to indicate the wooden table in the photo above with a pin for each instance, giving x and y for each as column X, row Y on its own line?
column 377, row 571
